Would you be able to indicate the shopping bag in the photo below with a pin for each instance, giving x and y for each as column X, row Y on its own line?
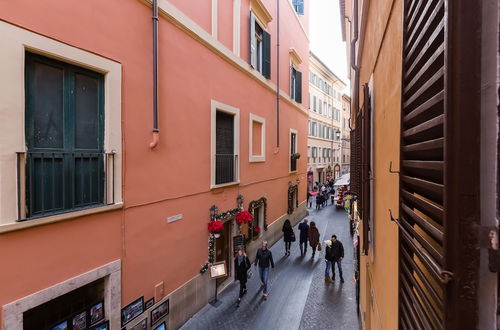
column 293, row 237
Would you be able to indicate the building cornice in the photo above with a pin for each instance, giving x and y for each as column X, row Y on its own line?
column 260, row 10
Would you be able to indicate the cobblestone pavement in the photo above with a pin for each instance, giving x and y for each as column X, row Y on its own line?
column 298, row 298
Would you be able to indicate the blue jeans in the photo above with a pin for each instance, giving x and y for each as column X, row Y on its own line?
column 264, row 275
column 327, row 269
column 339, row 265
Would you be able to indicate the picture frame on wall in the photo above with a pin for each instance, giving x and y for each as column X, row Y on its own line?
column 160, row 312
column 61, row 326
column 149, row 303
column 142, row 325
column 101, row 326
column 79, row 321
column 96, row 313
column 161, row 326
column 132, row 310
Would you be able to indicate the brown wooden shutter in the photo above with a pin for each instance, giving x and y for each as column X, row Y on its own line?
column 365, row 169
column 421, row 237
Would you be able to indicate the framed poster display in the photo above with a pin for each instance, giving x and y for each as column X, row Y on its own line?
column 101, row 326
column 132, row 310
column 96, row 312
column 79, row 321
column 61, row 326
column 161, row 326
column 142, row 325
column 218, row 269
column 159, row 312
column 149, row 303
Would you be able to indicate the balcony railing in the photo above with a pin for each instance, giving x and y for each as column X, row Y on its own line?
column 293, row 164
column 225, row 168
column 57, row 182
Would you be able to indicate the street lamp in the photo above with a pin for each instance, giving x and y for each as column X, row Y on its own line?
column 240, row 200
column 213, row 211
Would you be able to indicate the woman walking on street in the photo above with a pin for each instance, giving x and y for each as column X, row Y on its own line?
column 287, row 236
column 313, row 237
column 241, row 266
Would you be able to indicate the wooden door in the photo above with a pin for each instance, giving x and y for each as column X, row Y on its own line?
column 223, row 250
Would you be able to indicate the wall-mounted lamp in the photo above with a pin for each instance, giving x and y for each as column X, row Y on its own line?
column 213, row 211
column 289, row 183
column 240, row 200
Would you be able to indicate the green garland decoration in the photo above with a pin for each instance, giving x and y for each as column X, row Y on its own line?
column 211, row 239
column 291, row 190
column 251, row 208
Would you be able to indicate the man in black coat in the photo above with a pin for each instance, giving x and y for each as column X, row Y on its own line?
column 337, row 254
column 304, row 236
column 264, row 258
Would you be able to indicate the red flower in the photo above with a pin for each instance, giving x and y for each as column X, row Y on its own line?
column 215, row 226
column 243, row 217
column 256, row 229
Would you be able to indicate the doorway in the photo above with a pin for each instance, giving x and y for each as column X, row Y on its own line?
column 223, row 250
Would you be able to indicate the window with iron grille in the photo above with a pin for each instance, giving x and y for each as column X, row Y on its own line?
column 65, row 159
column 225, row 158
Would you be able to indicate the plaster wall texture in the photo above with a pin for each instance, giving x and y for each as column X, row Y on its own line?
column 174, row 178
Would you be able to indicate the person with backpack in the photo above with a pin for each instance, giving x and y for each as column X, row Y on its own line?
column 337, row 256
column 304, row 236
column 313, row 237
column 328, row 260
column 287, row 236
column 264, row 259
column 241, row 266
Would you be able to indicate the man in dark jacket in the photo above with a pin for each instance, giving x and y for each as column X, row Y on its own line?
column 337, row 254
column 264, row 258
column 304, row 234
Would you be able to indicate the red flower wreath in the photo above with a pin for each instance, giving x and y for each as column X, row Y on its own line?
column 243, row 217
column 215, row 226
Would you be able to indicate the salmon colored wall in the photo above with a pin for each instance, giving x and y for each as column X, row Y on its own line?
column 199, row 11
column 225, row 20
column 382, row 57
column 190, row 76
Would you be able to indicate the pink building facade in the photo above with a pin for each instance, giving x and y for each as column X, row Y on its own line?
column 94, row 219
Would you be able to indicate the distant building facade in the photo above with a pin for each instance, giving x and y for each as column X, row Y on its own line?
column 324, row 148
column 346, row 135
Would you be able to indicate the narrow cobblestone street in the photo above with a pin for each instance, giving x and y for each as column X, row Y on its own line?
column 298, row 298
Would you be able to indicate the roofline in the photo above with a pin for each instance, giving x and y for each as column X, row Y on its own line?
column 326, row 67
column 342, row 18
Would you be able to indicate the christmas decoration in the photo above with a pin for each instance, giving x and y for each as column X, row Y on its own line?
column 216, row 226
column 211, row 254
column 252, row 206
column 256, row 229
column 293, row 190
column 243, row 217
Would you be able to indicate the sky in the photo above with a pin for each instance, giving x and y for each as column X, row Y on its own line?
column 326, row 36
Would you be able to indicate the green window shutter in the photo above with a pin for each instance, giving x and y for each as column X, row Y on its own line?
column 266, row 43
column 298, row 86
column 253, row 42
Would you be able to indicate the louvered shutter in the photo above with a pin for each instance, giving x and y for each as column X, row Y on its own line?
column 298, row 86
column 266, row 50
column 366, row 170
column 421, row 237
column 253, row 42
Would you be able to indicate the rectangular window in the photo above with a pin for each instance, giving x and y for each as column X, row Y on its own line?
column 64, row 135
column 314, row 103
column 320, row 107
column 293, row 150
column 257, row 138
column 225, row 142
column 295, row 85
column 260, row 48
column 298, row 5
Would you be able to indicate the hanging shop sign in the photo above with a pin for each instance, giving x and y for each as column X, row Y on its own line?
column 218, row 269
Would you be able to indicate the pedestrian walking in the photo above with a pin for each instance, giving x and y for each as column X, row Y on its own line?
column 264, row 259
column 241, row 266
column 328, row 260
column 304, row 236
column 337, row 256
column 287, row 236
column 313, row 237
column 309, row 199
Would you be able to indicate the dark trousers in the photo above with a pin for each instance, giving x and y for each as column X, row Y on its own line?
column 314, row 250
column 304, row 249
column 243, row 288
column 287, row 246
column 339, row 265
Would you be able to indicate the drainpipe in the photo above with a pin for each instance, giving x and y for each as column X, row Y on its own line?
column 278, row 75
column 156, row 131
column 354, row 66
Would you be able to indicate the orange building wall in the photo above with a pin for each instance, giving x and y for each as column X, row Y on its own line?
column 175, row 177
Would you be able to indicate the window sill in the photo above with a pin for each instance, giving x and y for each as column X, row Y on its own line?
column 57, row 218
column 216, row 186
column 257, row 159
